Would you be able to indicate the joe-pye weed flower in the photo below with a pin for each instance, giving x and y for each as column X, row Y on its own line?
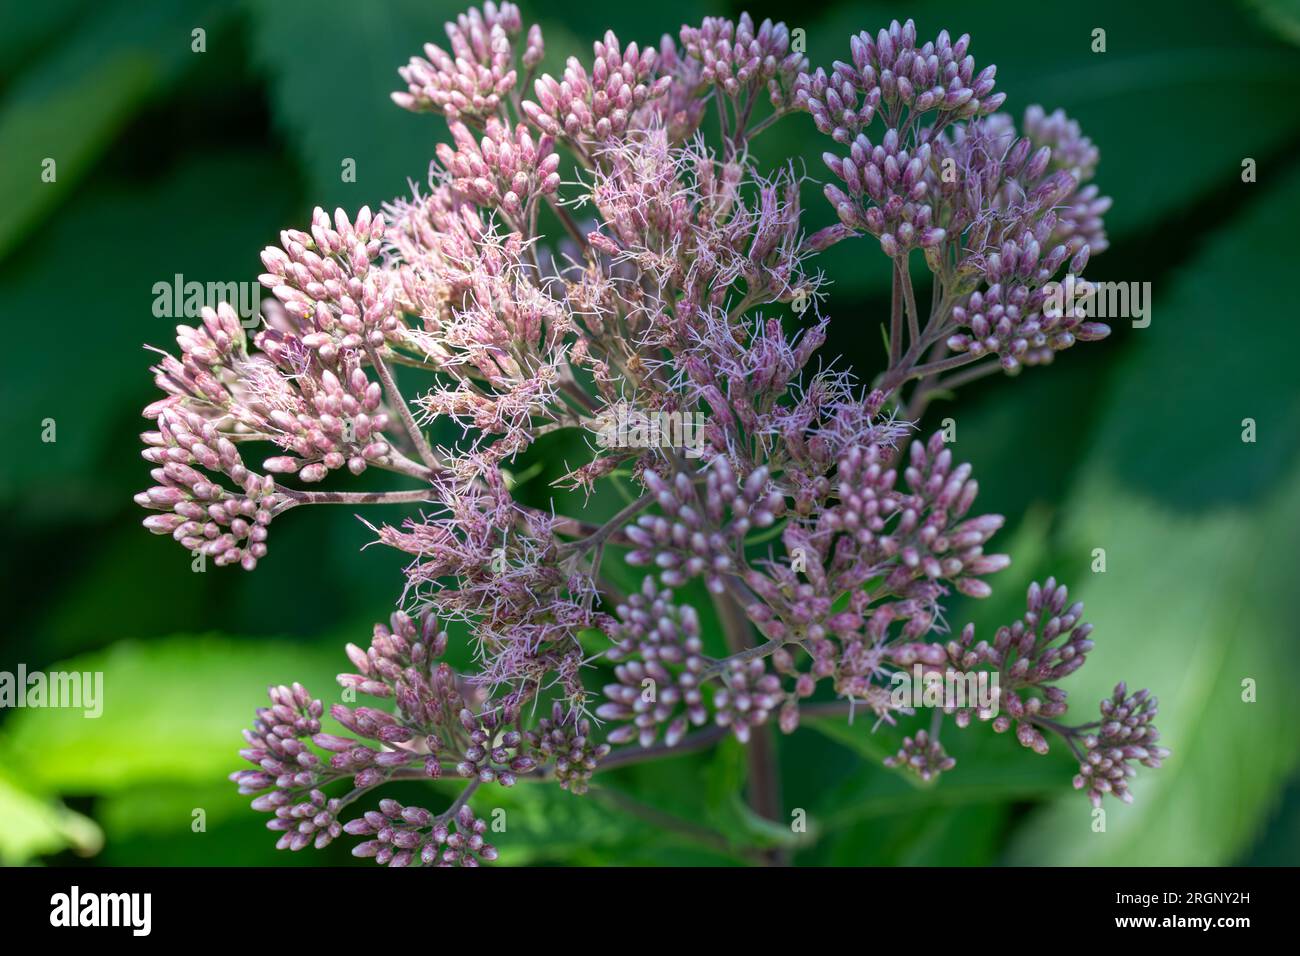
column 605, row 240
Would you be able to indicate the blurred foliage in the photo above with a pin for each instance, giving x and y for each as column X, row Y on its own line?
column 1283, row 16
column 171, row 161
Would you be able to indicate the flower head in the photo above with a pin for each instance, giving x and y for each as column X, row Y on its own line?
column 670, row 276
column 923, row 755
column 1125, row 737
column 470, row 80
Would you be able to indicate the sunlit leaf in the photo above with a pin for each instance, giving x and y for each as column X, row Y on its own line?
column 31, row 826
column 172, row 711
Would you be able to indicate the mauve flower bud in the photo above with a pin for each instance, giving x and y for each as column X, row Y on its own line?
column 922, row 755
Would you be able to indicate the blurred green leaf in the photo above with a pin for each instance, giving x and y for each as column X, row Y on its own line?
column 71, row 106
column 168, row 808
column 990, row 767
column 1193, row 605
column 1282, row 16
column 1278, row 842
column 1225, row 621
column 768, row 834
column 1174, row 435
column 925, row 836
column 543, row 823
column 40, row 25
column 726, row 811
column 696, row 800
column 172, row 711
column 960, row 836
column 332, row 65
column 31, row 826
column 101, row 604
column 206, row 221
column 853, row 735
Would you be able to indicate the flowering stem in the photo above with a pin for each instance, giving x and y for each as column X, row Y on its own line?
column 630, row 756
column 896, row 319
column 610, row 590
column 765, row 783
column 738, row 135
column 764, row 123
column 568, row 526
column 460, row 801
column 943, row 365
column 739, row 657
column 352, row 795
column 411, row 361
column 610, row 527
column 968, row 376
column 930, row 387
column 354, row 497
column 722, row 120
column 691, row 743
column 909, row 297
column 571, row 388
column 404, row 411
column 1068, row 734
column 764, row 772
column 735, row 625
column 402, row 465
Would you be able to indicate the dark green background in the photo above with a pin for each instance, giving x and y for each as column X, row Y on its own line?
column 175, row 162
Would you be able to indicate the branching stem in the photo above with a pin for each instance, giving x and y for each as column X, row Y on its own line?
column 354, row 497
column 403, row 411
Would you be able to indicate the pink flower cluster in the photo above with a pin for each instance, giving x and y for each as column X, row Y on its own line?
column 598, row 243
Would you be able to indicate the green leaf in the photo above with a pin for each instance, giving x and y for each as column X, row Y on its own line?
column 1276, row 844
column 172, row 712
column 102, row 603
column 1196, row 596
column 206, row 221
column 724, row 779
column 40, row 25
column 854, row 735
column 543, row 823
column 1239, row 334
column 31, row 826
column 70, row 107
column 990, row 767
column 926, row 836
column 162, row 809
column 1281, row 16
column 1190, row 608
column 960, row 836
column 331, row 68
column 768, row 834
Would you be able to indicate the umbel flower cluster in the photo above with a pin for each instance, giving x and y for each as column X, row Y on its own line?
column 604, row 240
